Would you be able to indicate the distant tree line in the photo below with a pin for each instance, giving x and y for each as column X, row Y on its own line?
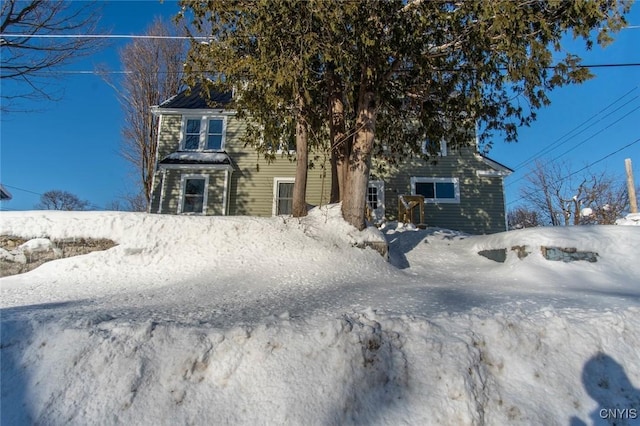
column 554, row 195
column 57, row 199
column 61, row 200
column 29, row 56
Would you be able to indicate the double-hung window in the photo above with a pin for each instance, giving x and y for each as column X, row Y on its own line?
column 429, row 147
column 192, row 134
column 283, row 196
column 203, row 133
column 215, row 134
column 194, row 194
column 436, row 190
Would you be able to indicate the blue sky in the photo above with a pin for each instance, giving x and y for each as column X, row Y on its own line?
column 73, row 144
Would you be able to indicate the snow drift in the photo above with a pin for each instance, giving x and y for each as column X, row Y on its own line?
column 201, row 320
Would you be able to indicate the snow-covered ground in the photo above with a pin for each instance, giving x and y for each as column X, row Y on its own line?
column 212, row 320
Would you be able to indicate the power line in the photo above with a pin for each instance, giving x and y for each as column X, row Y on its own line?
column 121, row 72
column 22, row 189
column 601, row 159
column 631, row 64
column 106, row 36
column 600, row 131
column 588, row 165
column 582, row 142
column 547, row 150
column 555, row 143
column 156, row 37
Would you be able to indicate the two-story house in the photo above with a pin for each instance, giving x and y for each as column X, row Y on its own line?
column 202, row 167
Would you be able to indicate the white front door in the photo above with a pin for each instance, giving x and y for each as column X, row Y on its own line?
column 375, row 200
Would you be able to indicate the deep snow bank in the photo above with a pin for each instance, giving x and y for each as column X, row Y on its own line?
column 546, row 367
column 254, row 321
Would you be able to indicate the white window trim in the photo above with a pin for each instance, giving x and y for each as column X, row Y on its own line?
column 183, row 183
column 204, row 132
column 226, row 192
column 379, row 185
column 276, row 181
column 155, row 167
column 279, row 150
column 443, row 148
column 456, row 187
column 281, row 146
column 162, row 190
column 192, row 111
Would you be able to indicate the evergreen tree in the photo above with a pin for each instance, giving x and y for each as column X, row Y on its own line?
column 386, row 75
column 268, row 53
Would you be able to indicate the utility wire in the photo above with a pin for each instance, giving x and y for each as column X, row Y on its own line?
column 600, row 131
column 547, row 150
column 116, row 36
column 158, row 37
column 582, row 142
column 49, row 72
column 555, row 143
column 601, row 159
column 587, row 166
column 21, row 189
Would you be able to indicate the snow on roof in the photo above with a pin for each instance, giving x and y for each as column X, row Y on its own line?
column 4, row 193
column 197, row 157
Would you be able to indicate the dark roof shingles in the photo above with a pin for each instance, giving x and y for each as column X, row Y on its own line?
column 194, row 99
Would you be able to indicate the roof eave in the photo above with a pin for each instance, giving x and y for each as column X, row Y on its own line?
column 498, row 167
column 158, row 110
column 197, row 166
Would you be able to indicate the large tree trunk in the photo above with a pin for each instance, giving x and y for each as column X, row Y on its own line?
column 340, row 145
column 302, row 160
column 354, row 197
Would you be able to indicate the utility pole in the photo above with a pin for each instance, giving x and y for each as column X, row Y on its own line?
column 633, row 202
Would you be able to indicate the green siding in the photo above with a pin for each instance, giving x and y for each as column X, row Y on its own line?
column 252, row 181
column 481, row 207
column 169, row 140
column 169, row 183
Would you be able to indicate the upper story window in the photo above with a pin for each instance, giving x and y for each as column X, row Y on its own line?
column 203, row 133
column 441, row 147
column 285, row 142
column 284, row 145
column 215, row 134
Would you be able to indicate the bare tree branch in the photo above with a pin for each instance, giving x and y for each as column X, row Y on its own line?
column 61, row 200
column 25, row 57
column 154, row 73
column 593, row 199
